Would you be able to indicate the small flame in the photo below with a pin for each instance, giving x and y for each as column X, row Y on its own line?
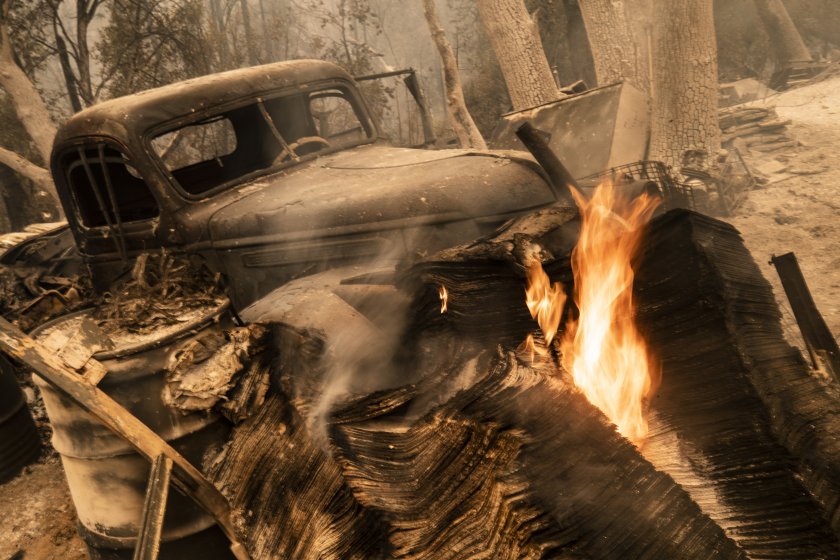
column 603, row 350
column 532, row 350
column 444, row 298
column 545, row 300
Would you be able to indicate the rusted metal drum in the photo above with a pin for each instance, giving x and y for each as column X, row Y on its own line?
column 107, row 478
column 19, row 441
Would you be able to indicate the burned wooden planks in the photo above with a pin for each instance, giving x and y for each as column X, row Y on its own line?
column 759, row 428
column 478, row 453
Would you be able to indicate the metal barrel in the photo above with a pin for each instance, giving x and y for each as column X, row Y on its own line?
column 19, row 441
column 107, row 478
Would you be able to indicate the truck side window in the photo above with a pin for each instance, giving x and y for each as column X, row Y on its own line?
column 209, row 152
column 106, row 189
column 205, row 141
column 335, row 118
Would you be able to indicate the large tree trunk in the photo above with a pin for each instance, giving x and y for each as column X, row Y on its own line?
column 615, row 50
column 517, row 45
column 576, row 41
column 253, row 59
column 785, row 39
column 30, row 109
column 685, row 80
column 564, row 39
column 28, row 104
column 459, row 117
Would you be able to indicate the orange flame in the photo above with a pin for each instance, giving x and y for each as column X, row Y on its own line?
column 444, row 298
column 603, row 350
column 533, row 350
column 545, row 300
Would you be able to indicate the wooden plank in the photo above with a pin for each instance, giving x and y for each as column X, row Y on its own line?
column 814, row 330
column 154, row 508
column 112, row 415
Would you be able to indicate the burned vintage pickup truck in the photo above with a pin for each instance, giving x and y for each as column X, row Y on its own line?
column 271, row 173
column 263, row 175
column 311, row 424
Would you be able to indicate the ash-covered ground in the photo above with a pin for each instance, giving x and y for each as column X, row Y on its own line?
column 800, row 213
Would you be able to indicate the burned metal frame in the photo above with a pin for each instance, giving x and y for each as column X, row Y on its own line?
column 274, row 131
column 119, row 240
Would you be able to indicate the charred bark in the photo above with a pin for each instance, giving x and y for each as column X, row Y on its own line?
column 685, row 81
column 615, row 51
column 518, row 48
column 753, row 435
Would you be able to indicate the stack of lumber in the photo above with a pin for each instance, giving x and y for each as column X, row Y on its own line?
column 758, row 427
column 482, row 455
column 485, row 280
column 516, row 465
column 755, row 129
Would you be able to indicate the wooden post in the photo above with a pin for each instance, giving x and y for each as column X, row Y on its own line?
column 154, row 507
column 818, row 338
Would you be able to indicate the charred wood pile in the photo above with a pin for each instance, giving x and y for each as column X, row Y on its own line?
column 476, row 449
column 755, row 129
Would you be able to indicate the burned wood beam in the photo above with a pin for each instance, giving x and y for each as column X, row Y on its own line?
column 154, row 507
column 527, row 467
column 761, row 430
column 815, row 332
column 291, row 493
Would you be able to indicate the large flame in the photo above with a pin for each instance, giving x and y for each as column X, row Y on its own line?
column 602, row 349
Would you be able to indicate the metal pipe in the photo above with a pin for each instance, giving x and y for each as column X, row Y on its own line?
column 561, row 180
column 109, row 187
column 94, row 186
column 416, row 92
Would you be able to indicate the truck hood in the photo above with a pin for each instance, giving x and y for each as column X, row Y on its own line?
column 375, row 188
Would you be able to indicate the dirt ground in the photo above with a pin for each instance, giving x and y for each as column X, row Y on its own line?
column 800, row 213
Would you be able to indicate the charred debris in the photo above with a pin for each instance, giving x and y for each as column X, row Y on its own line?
column 472, row 447
column 392, row 413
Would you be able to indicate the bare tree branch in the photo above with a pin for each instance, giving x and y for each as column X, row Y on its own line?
column 27, row 101
column 35, row 173
column 459, row 117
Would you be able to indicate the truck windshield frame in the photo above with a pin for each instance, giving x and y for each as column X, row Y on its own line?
column 212, row 151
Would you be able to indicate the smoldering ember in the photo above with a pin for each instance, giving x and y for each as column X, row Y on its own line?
column 299, row 279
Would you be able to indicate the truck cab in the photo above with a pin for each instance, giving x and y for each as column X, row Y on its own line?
column 269, row 174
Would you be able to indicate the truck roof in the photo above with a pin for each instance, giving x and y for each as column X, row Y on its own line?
column 126, row 118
